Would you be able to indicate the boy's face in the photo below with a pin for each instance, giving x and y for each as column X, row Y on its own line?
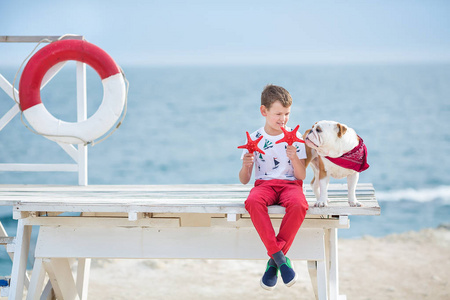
column 276, row 116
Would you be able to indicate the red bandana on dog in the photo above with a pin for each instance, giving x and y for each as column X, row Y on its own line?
column 356, row 159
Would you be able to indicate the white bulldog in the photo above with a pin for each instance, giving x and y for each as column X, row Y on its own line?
column 335, row 150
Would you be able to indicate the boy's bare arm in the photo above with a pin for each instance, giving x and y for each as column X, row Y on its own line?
column 247, row 167
column 297, row 163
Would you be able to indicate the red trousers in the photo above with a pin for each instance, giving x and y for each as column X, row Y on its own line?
column 286, row 193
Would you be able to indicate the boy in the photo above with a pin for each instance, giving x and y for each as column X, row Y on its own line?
column 279, row 175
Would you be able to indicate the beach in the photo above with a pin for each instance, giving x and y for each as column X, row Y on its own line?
column 210, row 109
column 411, row 265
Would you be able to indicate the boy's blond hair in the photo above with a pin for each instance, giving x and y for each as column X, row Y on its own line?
column 273, row 93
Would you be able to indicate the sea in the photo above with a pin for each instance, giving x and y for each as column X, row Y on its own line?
column 183, row 125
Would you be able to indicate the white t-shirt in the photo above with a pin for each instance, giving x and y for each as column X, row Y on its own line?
column 274, row 164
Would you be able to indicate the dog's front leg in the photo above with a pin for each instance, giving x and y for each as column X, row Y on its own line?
column 323, row 185
column 352, row 180
column 315, row 185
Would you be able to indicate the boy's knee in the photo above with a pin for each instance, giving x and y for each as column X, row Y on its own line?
column 298, row 209
column 249, row 203
column 252, row 203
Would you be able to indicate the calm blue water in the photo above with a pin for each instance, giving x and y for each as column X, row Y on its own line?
column 184, row 124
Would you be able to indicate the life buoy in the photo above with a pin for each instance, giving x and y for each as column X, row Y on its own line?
column 109, row 111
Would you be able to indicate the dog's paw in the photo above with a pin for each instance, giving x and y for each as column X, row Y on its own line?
column 354, row 203
column 321, row 203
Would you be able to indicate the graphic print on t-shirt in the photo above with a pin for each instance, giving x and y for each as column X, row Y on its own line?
column 276, row 163
column 268, row 144
column 261, row 157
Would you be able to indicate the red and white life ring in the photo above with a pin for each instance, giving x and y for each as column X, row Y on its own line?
column 109, row 111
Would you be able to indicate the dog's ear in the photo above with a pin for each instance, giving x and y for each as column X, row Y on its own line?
column 341, row 130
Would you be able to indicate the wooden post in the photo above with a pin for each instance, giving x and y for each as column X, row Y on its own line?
column 19, row 268
column 83, row 272
column 60, row 274
column 37, row 280
column 82, row 116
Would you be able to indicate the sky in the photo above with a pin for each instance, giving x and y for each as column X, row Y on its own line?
column 239, row 32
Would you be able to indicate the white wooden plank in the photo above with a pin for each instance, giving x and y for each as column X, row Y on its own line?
column 134, row 197
column 163, row 188
column 61, row 277
column 334, row 265
column 33, row 38
column 149, row 199
column 343, row 220
column 18, row 273
column 82, row 158
column 216, row 208
column 322, row 280
column 180, row 190
column 83, row 271
column 312, row 269
column 307, row 223
column 38, row 168
column 37, row 280
column 9, row 115
column 70, row 207
column 6, row 86
column 103, row 222
column 231, row 217
column 168, row 222
column 222, row 243
column 9, row 246
column 6, row 240
column 134, row 216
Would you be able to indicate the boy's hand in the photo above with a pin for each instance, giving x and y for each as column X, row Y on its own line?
column 247, row 166
column 297, row 163
column 248, row 160
column 291, row 152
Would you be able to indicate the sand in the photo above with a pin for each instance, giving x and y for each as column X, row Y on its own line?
column 413, row 265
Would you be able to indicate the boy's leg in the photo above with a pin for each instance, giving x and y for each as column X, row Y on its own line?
column 293, row 199
column 261, row 196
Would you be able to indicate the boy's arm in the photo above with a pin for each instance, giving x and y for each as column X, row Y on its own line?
column 247, row 167
column 297, row 163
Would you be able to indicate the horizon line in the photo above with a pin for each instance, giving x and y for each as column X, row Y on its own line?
column 275, row 64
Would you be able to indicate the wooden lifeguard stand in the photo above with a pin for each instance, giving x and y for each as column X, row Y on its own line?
column 153, row 221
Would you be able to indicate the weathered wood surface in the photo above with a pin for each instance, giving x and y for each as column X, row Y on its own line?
column 196, row 198
column 32, row 38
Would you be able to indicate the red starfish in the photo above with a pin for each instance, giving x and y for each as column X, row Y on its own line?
column 290, row 137
column 252, row 145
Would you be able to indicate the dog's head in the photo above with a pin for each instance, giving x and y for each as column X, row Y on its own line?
column 327, row 138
